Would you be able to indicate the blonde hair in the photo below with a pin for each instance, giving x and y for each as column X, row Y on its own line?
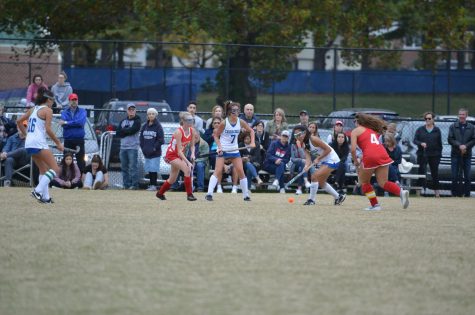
column 281, row 112
column 182, row 116
column 215, row 107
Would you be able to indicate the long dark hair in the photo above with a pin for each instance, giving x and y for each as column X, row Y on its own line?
column 371, row 122
column 37, row 76
column 229, row 105
column 302, row 128
column 43, row 95
column 97, row 159
column 65, row 168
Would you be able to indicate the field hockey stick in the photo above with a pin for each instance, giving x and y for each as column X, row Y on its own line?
column 75, row 151
column 216, row 152
column 290, row 182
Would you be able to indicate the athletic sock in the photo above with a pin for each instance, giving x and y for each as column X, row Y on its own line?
column 44, row 181
column 393, row 188
column 313, row 190
column 243, row 183
column 166, row 185
column 329, row 189
column 213, row 180
column 188, row 188
column 369, row 192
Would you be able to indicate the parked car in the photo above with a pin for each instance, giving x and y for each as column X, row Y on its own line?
column 407, row 131
column 114, row 111
column 347, row 116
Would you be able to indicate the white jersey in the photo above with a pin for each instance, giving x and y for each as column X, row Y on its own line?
column 331, row 157
column 229, row 137
column 36, row 131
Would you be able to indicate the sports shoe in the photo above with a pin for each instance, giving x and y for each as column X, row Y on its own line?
column 161, row 197
column 376, row 207
column 404, row 198
column 7, row 183
column 339, row 200
column 219, row 190
column 97, row 185
column 259, row 181
column 275, row 182
column 309, row 202
column 36, row 195
column 247, row 198
column 150, row 188
column 209, row 197
column 234, row 190
column 298, row 192
column 50, row 200
column 282, row 190
column 190, row 197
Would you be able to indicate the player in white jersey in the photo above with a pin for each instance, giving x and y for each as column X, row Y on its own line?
column 226, row 137
column 326, row 159
column 39, row 125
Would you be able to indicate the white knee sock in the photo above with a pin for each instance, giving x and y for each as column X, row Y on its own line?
column 44, row 181
column 213, row 180
column 313, row 190
column 329, row 189
column 243, row 183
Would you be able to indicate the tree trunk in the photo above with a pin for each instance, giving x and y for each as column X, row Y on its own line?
column 460, row 60
column 319, row 61
column 120, row 55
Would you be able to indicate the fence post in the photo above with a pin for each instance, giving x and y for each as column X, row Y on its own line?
column 449, row 79
column 353, row 89
column 433, row 90
column 334, row 79
column 226, row 74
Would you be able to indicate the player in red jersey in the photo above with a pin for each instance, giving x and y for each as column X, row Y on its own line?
column 375, row 159
column 175, row 156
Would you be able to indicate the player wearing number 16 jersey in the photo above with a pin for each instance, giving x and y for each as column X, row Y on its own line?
column 375, row 159
column 226, row 138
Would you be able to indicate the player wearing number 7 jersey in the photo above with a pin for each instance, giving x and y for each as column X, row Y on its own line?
column 375, row 159
column 226, row 138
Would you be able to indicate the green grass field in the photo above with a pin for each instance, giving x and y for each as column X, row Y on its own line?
column 322, row 104
column 125, row 252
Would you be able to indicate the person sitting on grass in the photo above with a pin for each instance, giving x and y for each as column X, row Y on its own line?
column 95, row 174
column 69, row 176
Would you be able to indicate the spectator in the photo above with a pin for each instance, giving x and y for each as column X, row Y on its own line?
column 201, row 163
column 337, row 128
column 277, row 124
column 70, row 175
column 61, row 91
column 251, row 160
column 73, row 119
column 395, row 153
column 277, row 157
column 262, row 138
column 303, row 116
column 32, row 91
column 151, row 140
column 428, row 139
column 297, row 159
column 462, row 139
column 342, row 149
column 391, row 129
column 248, row 115
column 14, row 156
column 213, row 146
column 198, row 122
column 7, row 127
column 129, row 130
column 95, row 175
column 216, row 111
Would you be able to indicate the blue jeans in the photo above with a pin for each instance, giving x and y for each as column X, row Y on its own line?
column 278, row 170
column 200, row 168
column 128, row 165
column 463, row 163
column 297, row 167
column 251, row 172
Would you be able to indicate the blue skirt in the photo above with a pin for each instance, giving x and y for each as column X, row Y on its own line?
column 152, row 165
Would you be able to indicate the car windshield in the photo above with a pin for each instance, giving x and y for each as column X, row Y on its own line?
column 163, row 114
column 58, row 130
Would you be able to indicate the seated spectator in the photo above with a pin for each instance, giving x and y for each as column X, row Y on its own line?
column 297, row 159
column 95, row 174
column 248, row 115
column 277, row 157
column 251, row 160
column 337, row 128
column 201, row 163
column 32, row 91
column 342, row 148
column 7, row 128
column 278, row 124
column 395, row 154
column 61, row 91
column 209, row 138
column 216, row 111
column 14, row 156
column 262, row 138
column 70, row 176
column 391, row 129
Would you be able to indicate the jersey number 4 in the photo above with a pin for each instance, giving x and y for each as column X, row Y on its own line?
column 374, row 139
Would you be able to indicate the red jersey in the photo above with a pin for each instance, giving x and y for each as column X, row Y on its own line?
column 172, row 150
column 374, row 153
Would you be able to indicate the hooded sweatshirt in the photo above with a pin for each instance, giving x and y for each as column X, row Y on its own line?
column 128, row 132
column 61, row 93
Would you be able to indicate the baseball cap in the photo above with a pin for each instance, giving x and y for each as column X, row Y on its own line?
column 338, row 122
column 73, row 96
column 303, row 111
column 130, row 105
column 285, row 133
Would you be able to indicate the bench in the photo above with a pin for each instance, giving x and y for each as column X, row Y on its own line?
column 406, row 181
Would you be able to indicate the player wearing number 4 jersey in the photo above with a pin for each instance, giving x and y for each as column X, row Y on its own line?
column 226, row 138
column 375, row 159
column 39, row 125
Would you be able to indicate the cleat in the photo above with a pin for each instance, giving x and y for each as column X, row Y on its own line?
column 404, row 198
column 340, row 199
column 209, row 197
column 161, row 197
column 190, row 197
column 309, row 202
column 247, row 198
column 36, row 195
column 298, row 191
column 376, row 207
column 50, row 200
column 219, row 190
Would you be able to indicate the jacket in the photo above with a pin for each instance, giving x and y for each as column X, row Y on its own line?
column 73, row 178
column 128, row 131
column 75, row 121
column 253, row 154
column 455, row 138
column 61, row 93
column 151, row 139
column 433, row 140
column 32, row 91
column 277, row 151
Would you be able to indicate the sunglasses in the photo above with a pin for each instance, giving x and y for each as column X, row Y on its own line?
column 428, row 118
column 188, row 120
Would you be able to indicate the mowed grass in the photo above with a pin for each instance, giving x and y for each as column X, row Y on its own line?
column 126, row 252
